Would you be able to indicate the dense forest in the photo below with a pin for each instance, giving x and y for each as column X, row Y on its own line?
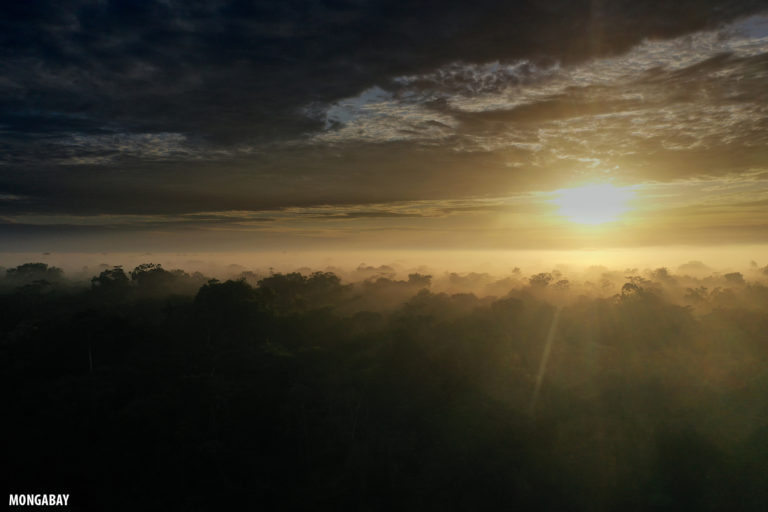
column 152, row 388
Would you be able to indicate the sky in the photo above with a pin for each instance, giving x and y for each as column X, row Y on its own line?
column 232, row 126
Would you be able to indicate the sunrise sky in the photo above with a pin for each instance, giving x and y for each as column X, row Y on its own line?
column 383, row 126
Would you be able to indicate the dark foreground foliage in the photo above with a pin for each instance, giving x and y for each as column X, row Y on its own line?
column 155, row 389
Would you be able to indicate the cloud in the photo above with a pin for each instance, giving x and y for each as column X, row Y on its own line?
column 365, row 215
column 229, row 71
column 169, row 108
column 376, row 116
column 710, row 212
column 654, row 90
column 10, row 197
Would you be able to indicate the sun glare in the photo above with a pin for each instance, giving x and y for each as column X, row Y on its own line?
column 593, row 204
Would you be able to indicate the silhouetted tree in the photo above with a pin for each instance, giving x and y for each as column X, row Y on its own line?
column 383, row 394
column 152, row 279
column 540, row 280
column 113, row 279
column 29, row 272
column 421, row 280
column 734, row 278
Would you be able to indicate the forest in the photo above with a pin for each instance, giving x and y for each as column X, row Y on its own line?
column 620, row 390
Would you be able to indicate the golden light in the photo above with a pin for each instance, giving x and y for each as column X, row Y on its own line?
column 593, row 204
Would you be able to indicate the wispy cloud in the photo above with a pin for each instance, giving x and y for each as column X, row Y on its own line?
column 353, row 117
column 701, row 90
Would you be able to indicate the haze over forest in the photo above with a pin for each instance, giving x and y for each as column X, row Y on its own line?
column 603, row 390
column 385, row 255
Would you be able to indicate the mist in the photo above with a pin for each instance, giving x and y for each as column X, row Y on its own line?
column 378, row 255
column 346, row 263
column 390, row 385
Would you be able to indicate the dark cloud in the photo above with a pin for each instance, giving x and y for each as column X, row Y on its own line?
column 234, row 71
column 364, row 215
column 283, row 177
column 173, row 107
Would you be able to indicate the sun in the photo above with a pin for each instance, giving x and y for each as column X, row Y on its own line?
column 593, row 204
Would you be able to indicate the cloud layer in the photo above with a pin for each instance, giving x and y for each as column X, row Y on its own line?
column 158, row 111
